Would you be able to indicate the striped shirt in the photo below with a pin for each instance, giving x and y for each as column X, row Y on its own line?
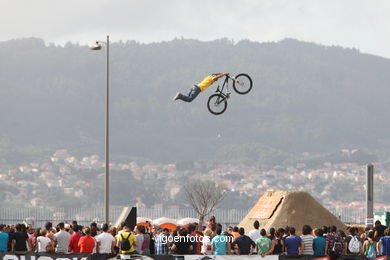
column 160, row 248
column 307, row 244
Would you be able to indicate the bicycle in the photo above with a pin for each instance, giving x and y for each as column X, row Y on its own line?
column 217, row 103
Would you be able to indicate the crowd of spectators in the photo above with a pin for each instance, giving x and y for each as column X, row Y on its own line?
column 194, row 239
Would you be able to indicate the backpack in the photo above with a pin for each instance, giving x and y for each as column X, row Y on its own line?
column 337, row 245
column 354, row 245
column 125, row 243
column 50, row 247
column 278, row 249
column 371, row 253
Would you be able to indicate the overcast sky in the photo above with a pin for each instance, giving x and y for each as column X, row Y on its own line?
column 362, row 24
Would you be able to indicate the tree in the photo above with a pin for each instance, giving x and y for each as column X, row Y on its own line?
column 204, row 196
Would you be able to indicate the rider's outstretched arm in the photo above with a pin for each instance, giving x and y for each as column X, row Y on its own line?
column 220, row 75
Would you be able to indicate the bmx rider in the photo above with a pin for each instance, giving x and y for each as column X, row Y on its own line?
column 202, row 86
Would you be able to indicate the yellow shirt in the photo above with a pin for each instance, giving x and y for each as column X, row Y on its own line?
column 206, row 82
column 131, row 239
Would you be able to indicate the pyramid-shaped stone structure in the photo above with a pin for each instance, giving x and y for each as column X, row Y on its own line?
column 289, row 208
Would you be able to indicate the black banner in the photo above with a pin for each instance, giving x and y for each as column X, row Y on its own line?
column 342, row 257
column 46, row 256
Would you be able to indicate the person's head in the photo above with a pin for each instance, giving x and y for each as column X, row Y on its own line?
column 325, row 229
column 207, row 232
column 235, row 229
column 387, row 232
column 166, row 231
column 272, row 231
column 378, row 223
column 282, row 231
column 183, row 232
column 333, row 229
column 137, row 230
column 241, row 231
column 158, row 230
column 142, row 229
column 87, row 231
column 263, row 232
column 292, row 231
column 93, row 226
column 75, row 228
column 212, row 219
column 191, row 228
column 48, row 225
column 287, row 230
column 219, row 225
column 352, row 231
column 213, row 227
column 306, row 230
column 230, row 229
column 2, row 227
column 319, row 232
column 67, row 228
column 30, row 230
column 24, row 228
column 122, row 226
column 371, row 234
column 218, row 231
column 18, row 227
column 61, row 225
column 105, row 227
column 256, row 224
column 112, row 231
column 43, row 232
column 127, row 228
column 278, row 234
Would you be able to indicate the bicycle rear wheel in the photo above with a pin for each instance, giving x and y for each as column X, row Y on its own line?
column 217, row 104
column 242, row 84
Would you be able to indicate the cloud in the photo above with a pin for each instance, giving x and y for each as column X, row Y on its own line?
column 351, row 23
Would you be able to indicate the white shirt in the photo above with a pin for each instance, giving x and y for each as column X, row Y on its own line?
column 206, row 242
column 105, row 240
column 62, row 239
column 140, row 241
column 254, row 235
column 42, row 243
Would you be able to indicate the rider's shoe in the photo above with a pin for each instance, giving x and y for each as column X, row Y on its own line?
column 176, row 96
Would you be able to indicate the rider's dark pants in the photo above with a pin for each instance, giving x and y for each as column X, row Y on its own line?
column 194, row 92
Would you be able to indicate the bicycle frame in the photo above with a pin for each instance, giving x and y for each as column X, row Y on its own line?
column 226, row 95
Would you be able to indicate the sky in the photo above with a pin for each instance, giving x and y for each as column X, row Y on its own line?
column 360, row 24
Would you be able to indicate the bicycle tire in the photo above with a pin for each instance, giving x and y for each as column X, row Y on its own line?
column 216, row 100
column 245, row 79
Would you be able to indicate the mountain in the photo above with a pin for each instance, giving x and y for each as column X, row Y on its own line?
column 306, row 98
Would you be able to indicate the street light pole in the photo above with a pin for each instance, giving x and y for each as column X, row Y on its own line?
column 107, row 151
column 98, row 46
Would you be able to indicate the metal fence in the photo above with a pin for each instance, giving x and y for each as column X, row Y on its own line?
column 350, row 215
column 84, row 216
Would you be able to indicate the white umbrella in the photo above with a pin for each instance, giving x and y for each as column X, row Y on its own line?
column 186, row 221
column 160, row 221
column 143, row 220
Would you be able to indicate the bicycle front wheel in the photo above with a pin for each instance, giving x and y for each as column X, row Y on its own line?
column 242, row 84
column 217, row 104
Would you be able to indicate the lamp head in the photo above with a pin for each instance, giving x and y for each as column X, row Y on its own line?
column 97, row 46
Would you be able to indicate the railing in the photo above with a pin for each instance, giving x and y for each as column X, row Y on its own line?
column 84, row 216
